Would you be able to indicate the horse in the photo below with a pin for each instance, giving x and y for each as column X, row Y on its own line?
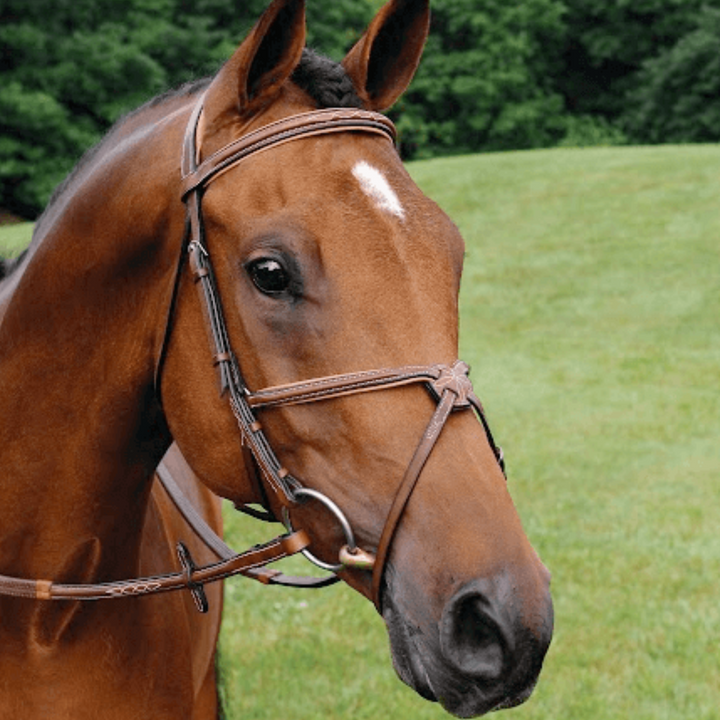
column 242, row 279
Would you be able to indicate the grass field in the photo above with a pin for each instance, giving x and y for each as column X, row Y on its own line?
column 13, row 238
column 590, row 310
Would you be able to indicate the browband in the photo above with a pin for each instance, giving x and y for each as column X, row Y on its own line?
column 295, row 127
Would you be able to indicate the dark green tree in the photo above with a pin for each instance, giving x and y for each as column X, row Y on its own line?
column 71, row 68
column 486, row 80
column 606, row 44
column 676, row 97
column 497, row 74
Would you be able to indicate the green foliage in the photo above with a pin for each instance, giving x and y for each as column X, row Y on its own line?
column 496, row 74
column 485, row 80
column 70, row 68
column 39, row 142
column 334, row 26
column 677, row 94
column 591, row 131
column 607, row 42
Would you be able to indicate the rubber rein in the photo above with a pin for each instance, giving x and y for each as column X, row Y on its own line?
column 449, row 385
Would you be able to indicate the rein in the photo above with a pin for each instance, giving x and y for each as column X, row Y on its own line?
column 449, row 385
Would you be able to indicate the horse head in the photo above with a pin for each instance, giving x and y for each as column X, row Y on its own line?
column 330, row 263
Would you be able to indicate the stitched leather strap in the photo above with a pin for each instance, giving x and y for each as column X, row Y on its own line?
column 302, row 125
column 334, row 386
column 211, row 540
column 450, row 385
column 402, row 496
column 242, row 563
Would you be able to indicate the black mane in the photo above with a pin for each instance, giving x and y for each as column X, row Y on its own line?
column 324, row 80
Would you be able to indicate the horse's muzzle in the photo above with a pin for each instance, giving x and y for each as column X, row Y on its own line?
column 486, row 655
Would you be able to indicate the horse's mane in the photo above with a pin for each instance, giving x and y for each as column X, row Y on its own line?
column 324, row 80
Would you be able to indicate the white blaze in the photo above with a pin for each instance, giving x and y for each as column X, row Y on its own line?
column 377, row 188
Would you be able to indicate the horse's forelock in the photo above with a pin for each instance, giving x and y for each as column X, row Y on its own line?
column 325, row 81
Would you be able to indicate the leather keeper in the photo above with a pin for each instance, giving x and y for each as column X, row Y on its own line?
column 221, row 358
column 43, row 589
column 265, row 575
column 296, row 542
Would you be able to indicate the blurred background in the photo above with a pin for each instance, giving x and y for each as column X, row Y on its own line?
column 496, row 75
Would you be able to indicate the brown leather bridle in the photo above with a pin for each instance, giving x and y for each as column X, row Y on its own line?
column 449, row 385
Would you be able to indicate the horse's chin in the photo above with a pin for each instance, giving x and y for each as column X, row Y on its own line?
column 406, row 655
column 422, row 668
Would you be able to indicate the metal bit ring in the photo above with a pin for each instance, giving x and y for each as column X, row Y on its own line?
column 339, row 516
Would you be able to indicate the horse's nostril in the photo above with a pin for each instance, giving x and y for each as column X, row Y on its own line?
column 473, row 639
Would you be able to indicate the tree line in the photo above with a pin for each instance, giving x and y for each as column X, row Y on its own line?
column 496, row 74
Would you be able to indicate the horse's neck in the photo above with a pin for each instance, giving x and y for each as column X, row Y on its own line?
column 80, row 430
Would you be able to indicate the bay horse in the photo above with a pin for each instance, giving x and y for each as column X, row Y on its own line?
column 260, row 221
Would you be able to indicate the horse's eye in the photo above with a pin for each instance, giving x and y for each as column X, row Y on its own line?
column 269, row 276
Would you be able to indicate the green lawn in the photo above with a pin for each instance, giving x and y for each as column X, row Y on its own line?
column 13, row 238
column 590, row 309
column 590, row 315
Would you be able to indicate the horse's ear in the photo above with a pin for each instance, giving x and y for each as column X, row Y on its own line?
column 382, row 63
column 262, row 63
